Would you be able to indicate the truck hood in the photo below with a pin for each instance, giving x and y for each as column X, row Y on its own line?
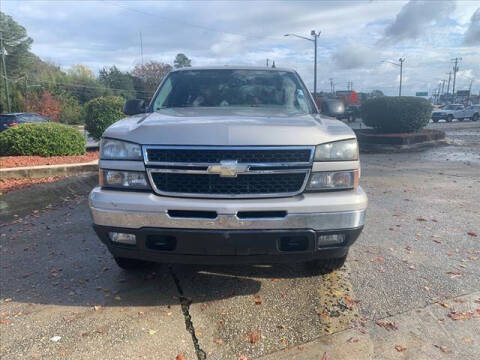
column 222, row 126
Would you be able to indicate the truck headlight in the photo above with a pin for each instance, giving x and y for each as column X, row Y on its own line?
column 135, row 180
column 111, row 149
column 333, row 180
column 343, row 150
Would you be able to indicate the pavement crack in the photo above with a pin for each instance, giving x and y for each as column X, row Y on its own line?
column 185, row 304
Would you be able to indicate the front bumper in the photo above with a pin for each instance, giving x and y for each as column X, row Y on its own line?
column 229, row 237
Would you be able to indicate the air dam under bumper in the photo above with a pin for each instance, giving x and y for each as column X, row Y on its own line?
column 291, row 231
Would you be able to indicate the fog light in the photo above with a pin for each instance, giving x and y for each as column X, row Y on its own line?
column 330, row 239
column 123, row 238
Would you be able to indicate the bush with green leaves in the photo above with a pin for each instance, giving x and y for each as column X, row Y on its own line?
column 42, row 139
column 102, row 112
column 400, row 114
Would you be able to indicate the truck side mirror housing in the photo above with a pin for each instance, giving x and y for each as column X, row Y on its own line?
column 133, row 107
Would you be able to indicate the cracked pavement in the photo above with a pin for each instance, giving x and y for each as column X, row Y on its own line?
column 410, row 288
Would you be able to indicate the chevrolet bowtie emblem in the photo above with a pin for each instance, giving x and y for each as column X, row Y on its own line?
column 228, row 168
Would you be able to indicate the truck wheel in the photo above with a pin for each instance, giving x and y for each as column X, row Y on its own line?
column 475, row 117
column 131, row 264
column 325, row 266
column 435, row 120
column 461, row 119
column 450, row 118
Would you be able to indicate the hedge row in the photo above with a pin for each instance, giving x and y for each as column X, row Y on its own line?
column 42, row 139
column 399, row 114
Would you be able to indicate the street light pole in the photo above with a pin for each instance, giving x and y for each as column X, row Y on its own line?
column 401, row 75
column 400, row 64
column 315, row 35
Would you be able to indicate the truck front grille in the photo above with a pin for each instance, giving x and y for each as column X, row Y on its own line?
column 199, row 171
column 212, row 156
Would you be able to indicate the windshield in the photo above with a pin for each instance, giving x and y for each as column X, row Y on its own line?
column 224, row 88
column 452, row 107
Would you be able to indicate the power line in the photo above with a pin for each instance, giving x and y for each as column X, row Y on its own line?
column 206, row 28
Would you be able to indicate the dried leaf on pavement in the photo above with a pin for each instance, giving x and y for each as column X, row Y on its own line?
column 325, row 356
column 471, row 233
column 258, row 300
column 254, row 337
column 180, row 357
column 387, row 325
column 443, row 349
column 400, row 348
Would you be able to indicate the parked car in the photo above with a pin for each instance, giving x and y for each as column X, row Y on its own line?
column 473, row 112
column 228, row 165
column 13, row 119
column 453, row 111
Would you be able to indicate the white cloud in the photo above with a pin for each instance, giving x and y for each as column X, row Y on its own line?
column 472, row 36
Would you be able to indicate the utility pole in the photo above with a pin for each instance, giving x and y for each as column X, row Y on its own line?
column 141, row 46
column 314, row 37
column 332, row 89
column 267, row 62
column 449, row 77
column 443, row 86
column 2, row 49
column 455, row 69
column 401, row 76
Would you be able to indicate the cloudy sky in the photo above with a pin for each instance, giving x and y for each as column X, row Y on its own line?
column 356, row 36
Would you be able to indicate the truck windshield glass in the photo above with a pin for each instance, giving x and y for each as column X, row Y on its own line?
column 223, row 88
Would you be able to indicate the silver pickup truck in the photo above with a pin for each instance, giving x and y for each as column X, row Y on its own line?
column 228, row 165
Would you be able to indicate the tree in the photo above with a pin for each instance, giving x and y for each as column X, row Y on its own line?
column 181, row 60
column 120, row 83
column 151, row 75
column 45, row 105
column 17, row 44
column 82, row 84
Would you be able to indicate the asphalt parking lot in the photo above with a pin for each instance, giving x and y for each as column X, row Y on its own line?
column 410, row 287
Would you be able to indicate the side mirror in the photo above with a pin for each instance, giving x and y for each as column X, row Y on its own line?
column 133, row 107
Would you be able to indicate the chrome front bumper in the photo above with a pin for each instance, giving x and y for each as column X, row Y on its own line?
column 316, row 211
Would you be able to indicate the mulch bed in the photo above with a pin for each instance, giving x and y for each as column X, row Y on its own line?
column 370, row 136
column 21, row 161
column 7, row 185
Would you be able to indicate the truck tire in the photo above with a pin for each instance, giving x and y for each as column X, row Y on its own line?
column 435, row 120
column 325, row 266
column 461, row 119
column 450, row 118
column 131, row 264
column 475, row 117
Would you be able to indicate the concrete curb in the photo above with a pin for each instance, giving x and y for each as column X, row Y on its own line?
column 48, row 170
column 22, row 202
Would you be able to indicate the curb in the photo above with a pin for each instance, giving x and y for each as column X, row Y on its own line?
column 48, row 170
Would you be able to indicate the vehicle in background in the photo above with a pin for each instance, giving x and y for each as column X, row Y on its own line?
column 473, row 112
column 14, row 119
column 451, row 112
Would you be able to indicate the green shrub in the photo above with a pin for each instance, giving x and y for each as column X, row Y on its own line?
column 102, row 112
column 42, row 139
column 399, row 114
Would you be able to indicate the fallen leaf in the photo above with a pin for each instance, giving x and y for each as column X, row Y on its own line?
column 180, row 357
column 258, row 300
column 254, row 337
column 325, row 356
column 412, row 267
column 243, row 357
column 152, row 332
column 443, row 349
column 421, row 218
column 467, row 340
column 97, row 307
column 387, row 325
column 379, row 259
column 353, row 340
column 400, row 348
column 460, row 316
column 471, row 233
column 218, row 341
column 445, row 305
